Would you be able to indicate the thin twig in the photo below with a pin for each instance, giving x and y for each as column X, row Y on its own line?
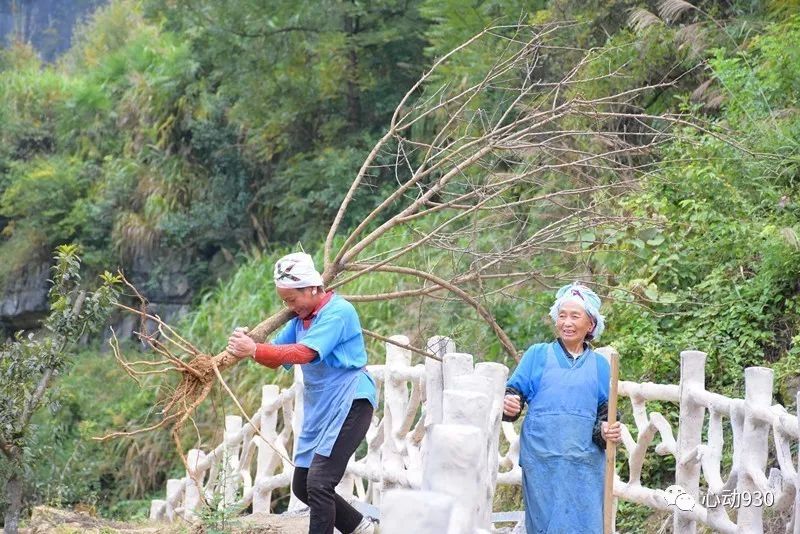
column 239, row 406
column 401, row 345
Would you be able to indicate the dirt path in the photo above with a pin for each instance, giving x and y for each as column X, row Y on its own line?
column 55, row 521
column 273, row 524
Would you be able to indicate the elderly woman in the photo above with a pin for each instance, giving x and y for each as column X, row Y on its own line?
column 565, row 384
column 339, row 396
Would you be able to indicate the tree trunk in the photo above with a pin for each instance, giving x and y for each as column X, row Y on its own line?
column 14, row 496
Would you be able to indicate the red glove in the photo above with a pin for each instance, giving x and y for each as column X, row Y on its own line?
column 275, row 355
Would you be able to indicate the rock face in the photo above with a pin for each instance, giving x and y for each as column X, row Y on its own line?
column 165, row 284
column 46, row 24
column 23, row 302
column 164, row 280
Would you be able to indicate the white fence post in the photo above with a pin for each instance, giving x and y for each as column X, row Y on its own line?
column 454, row 365
column 267, row 460
column 470, row 405
column 434, row 378
column 690, row 428
column 498, row 375
column 755, row 436
column 157, row 509
column 420, row 512
column 395, row 392
column 450, row 469
column 193, row 478
column 175, row 488
column 230, row 459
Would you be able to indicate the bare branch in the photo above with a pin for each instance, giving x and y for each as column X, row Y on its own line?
column 36, row 397
column 482, row 311
column 401, row 345
column 519, row 165
column 250, row 421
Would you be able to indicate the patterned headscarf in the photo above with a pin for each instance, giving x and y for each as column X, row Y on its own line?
column 588, row 299
column 296, row 271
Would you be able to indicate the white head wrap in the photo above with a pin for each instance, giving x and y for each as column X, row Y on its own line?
column 588, row 299
column 295, row 271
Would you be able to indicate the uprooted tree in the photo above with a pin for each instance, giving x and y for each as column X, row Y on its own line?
column 511, row 167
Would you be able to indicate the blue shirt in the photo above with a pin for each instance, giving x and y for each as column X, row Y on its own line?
column 333, row 379
column 335, row 335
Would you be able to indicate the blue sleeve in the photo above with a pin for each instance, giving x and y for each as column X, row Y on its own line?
column 603, row 379
column 324, row 335
column 528, row 374
column 287, row 335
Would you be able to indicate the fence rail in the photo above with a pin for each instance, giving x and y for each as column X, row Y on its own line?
column 435, row 445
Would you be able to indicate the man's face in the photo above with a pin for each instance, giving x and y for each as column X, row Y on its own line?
column 301, row 301
column 573, row 323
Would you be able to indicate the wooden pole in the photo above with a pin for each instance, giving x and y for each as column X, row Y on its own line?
column 611, row 450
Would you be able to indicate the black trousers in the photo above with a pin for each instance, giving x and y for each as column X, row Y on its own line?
column 315, row 485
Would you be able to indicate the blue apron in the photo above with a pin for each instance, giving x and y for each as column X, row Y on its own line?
column 562, row 468
column 327, row 397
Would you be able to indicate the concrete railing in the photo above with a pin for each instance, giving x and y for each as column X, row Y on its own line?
column 433, row 447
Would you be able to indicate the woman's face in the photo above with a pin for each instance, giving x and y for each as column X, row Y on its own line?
column 573, row 323
column 301, row 301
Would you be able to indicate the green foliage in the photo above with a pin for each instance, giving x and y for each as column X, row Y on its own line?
column 762, row 79
column 29, row 364
column 41, row 195
column 302, row 67
column 453, row 22
column 70, row 467
column 306, row 191
column 722, row 274
column 215, row 515
column 26, row 360
column 209, row 146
